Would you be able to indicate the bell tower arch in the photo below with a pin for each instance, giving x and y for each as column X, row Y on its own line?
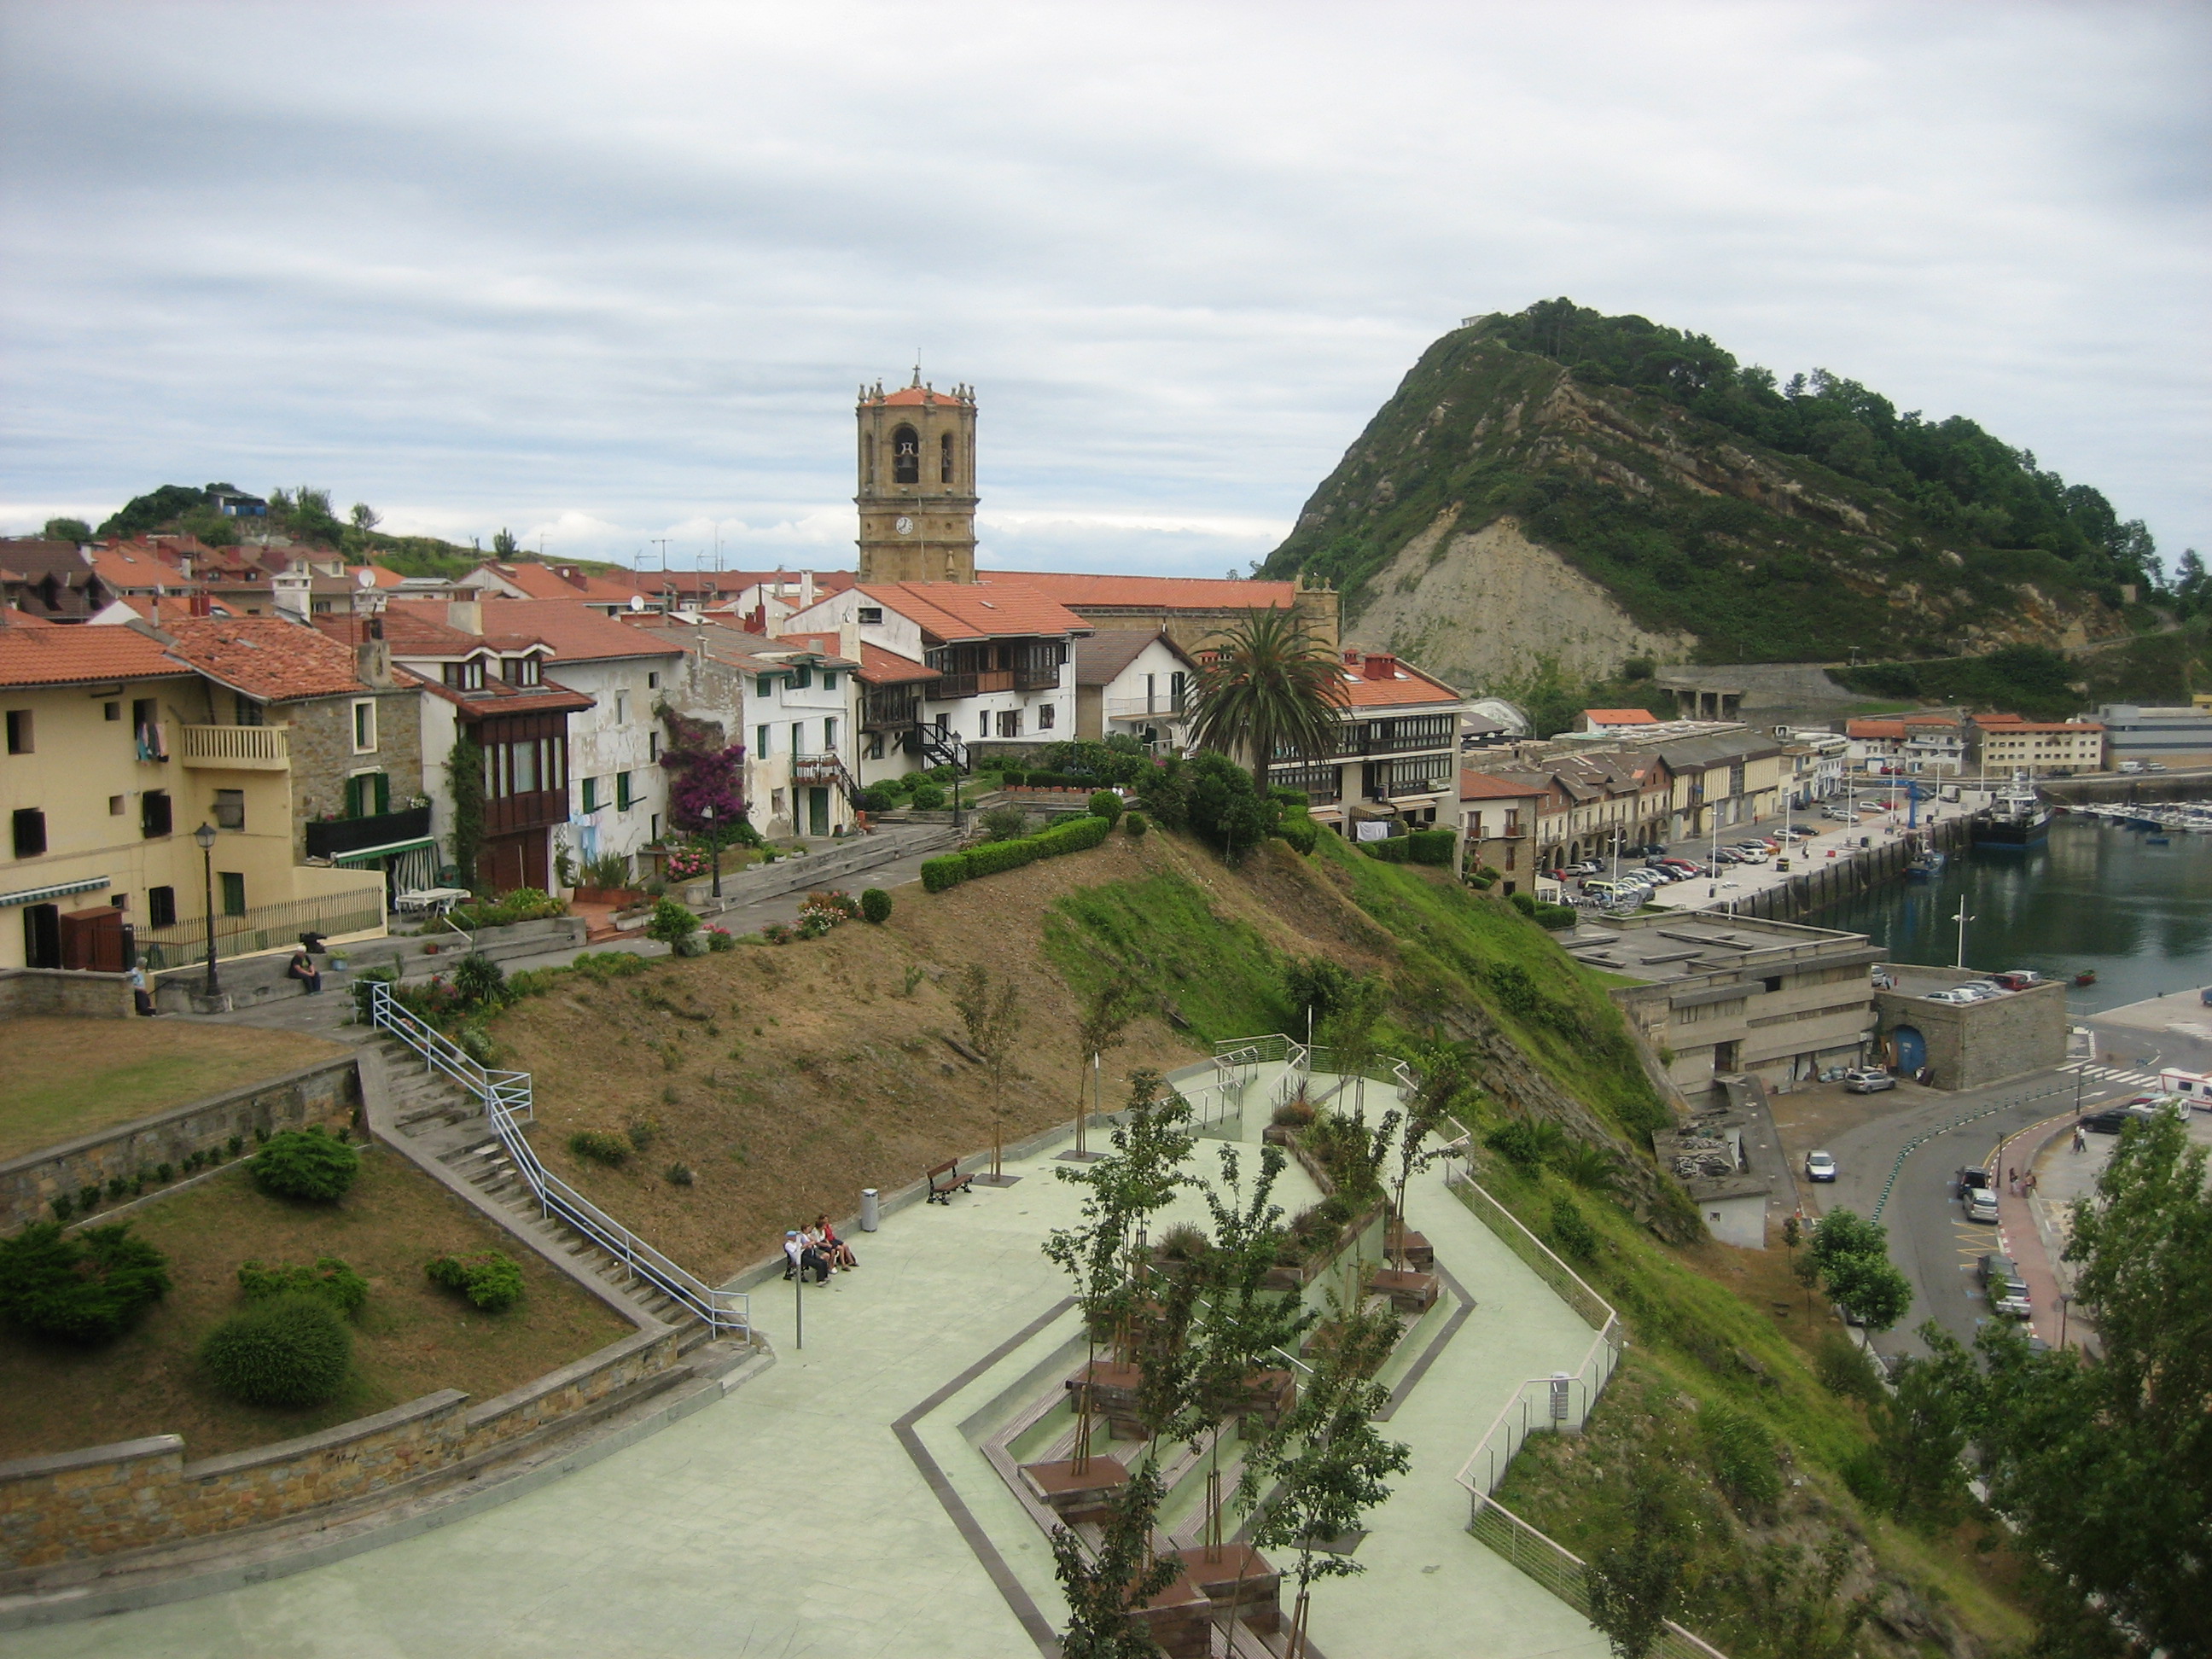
column 917, row 483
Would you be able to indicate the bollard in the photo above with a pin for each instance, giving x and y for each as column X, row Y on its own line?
column 871, row 1211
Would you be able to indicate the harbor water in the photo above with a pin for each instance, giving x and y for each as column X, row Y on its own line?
column 2096, row 896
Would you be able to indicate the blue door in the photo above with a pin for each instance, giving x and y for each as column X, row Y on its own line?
column 1911, row 1048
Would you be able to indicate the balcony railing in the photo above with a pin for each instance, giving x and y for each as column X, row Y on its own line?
column 889, row 714
column 1355, row 743
column 340, row 837
column 970, row 685
column 1036, row 679
column 1165, row 706
column 265, row 927
column 817, row 769
column 236, row 748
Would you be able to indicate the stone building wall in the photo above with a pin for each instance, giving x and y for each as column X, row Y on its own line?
column 142, row 1493
column 1973, row 1044
column 70, row 992
column 327, row 1092
column 323, row 756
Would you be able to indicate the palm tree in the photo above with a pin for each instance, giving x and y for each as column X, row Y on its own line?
column 1269, row 684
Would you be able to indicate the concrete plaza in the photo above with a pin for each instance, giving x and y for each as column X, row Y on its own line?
column 791, row 1518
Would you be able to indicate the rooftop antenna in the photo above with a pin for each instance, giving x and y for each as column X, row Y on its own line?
column 661, row 542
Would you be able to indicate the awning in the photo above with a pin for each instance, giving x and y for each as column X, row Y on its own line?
column 367, row 854
column 35, row 894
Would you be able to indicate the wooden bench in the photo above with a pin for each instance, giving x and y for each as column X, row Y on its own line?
column 945, row 1181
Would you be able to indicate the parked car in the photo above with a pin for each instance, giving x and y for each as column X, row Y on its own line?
column 2153, row 766
column 1981, row 1204
column 1980, row 993
column 1867, row 1080
column 1820, row 1166
column 2110, row 1121
column 1952, row 996
column 1836, row 814
column 2018, row 978
column 1650, row 849
column 1687, row 869
column 2007, row 1290
column 1588, row 868
column 1729, row 855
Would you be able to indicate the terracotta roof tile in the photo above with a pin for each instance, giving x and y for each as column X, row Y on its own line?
column 1620, row 717
column 576, row 632
column 976, row 610
column 913, row 397
column 1406, row 685
column 76, row 655
column 1488, row 786
column 1149, row 592
column 882, row 667
column 266, row 656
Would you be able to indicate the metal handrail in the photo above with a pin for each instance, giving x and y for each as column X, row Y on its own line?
column 507, row 1105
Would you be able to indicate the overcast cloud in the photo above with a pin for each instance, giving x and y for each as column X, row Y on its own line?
column 608, row 274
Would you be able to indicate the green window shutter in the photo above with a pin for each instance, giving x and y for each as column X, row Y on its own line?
column 828, row 679
column 234, row 892
column 591, row 795
column 383, row 793
column 622, row 792
column 353, row 798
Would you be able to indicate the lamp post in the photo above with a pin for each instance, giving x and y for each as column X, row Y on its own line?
column 205, row 836
column 714, row 837
column 1962, row 918
column 2064, row 1302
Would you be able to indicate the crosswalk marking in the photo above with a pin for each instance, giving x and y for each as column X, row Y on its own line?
column 2111, row 1074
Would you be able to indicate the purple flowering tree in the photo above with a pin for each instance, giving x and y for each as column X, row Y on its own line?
column 705, row 784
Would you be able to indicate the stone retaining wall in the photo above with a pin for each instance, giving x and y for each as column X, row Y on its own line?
column 140, row 1493
column 73, row 994
column 328, row 1091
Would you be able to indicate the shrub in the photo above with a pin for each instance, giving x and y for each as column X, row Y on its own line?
column 1302, row 834
column 1570, row 1231
column 875, row 905
column 1292, row 1115
column 720, row 939
column 1844, row 1370
column 480, row 982
column 1556, row 917
column 118, row 1185
column 306, row 1164
column 329, row 1278
column 600, row 966
column 88, row 1198
column 677, row 1174
column 1394, row 849
column 477, row 1043
column 387, row 975
column 63, row 1205
column 1438, row 847
column 927, row 797
column 1524, row 1143
column 1134, row 825
column 993, row 857
column 489, row 1279
column 877, row 800
column 1525, row 904
column 599, row 1146
column 1002, row 824
column 85, row 1286
column 1743, row 1456
column 670, row 921
column 291, row 1350
column 1105, row 803
column 643, row 1132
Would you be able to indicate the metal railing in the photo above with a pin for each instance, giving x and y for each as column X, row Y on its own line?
column 507, row 1105
column 264, row 927
column 1561, row 1571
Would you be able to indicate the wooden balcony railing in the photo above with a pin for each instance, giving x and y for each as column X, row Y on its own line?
column 236, row 748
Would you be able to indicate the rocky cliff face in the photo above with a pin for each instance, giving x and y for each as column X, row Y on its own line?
column 1502, row 508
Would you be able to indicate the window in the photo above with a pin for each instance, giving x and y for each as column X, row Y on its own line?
column 30, row 826
column 519, row 671
column 828, row 679
column 768, row 685
column 111, row 711
column 872, row 746
column 872, row 616
column 161, row 907
column 656, row 826
column 590, row 795
column 1511, row 848
column 801, row 678
column 653, row 682
column 364, row 726
column 622, row 792
column 1010, row 722
column 368, row 794
column 906, row 456
column 232, row 884
column 775, row 802
column 798, row 736
column 248, row 712
column 652, row 745
column 829, row 734
column 1474, row 827
column 115, row 805
column 526, row 759
column 622, row 709
column 984, row 725
column 1046, row 714
column 760, row 743
column 19, row 731
column 944, row 457
column 153, row 813
column 465, row 676
column 1512, row 820
column 230, row 809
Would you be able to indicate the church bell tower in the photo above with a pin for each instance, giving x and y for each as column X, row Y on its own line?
column 917, row 483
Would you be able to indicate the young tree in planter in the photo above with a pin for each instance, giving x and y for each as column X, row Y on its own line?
column 994, row 1019
column 1102, row 1588
column 1106, row 1016
column 1329, row 1466
column 1634, row 1585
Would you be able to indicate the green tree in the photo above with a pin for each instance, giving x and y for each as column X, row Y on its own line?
column 364, row 518
column 1268, row 686
column 1103, row 1587
column 503, row 544
column 1923, row 1429
column 1633, row 1586
column 2105, row 1467
column 464, row 766
column 1851, row 1256
column 1105, row 1018
column 992, row 1017
column 67, row 529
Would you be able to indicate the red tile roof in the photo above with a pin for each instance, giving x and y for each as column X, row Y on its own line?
column 976, row 610
column 1150, row 593
column 545, row 581
column 497, row 696
column 1874, row 729
column 913, row 397
column 882, row 667
column 74, row 656
column 576, row 632
column 1484, row 786
column 1405, row 685
column 1620, row 717
column 127, row 566
column 823, row 645
column 266, row 656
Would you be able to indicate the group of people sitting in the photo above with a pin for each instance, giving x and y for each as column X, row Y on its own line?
column 817, row 1250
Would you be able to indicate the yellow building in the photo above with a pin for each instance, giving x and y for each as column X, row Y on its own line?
column 114, row 758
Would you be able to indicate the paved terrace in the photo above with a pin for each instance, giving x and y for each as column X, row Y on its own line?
column 790, row 1519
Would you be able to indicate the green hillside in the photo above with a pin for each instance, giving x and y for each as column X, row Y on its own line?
column 1769, row 521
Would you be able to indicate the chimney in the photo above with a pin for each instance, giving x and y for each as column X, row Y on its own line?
column 1381, row 667
column 805, row 589
column 293, row 591
column 373, row 660
column 570, row 575
column 848, row 640
column 466, row 615
column 200, row 606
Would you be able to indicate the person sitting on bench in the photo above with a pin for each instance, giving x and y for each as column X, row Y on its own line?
column 835, row 1249
column 303, row 967
column 802, row 1258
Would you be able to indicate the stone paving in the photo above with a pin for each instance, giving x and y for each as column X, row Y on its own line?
column 789, row 1520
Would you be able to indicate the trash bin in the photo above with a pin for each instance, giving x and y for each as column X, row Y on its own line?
column 872, row 1213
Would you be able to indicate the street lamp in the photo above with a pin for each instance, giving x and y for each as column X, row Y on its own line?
column 205, row 836
column 1962, row 918
column 2064, row 1302
column 714, row 836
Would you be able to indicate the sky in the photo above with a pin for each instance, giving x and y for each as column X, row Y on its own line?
column 611, row 277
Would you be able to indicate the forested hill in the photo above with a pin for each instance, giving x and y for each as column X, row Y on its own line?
column 1633, row 490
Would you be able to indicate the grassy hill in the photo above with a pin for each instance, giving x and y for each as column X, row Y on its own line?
column 785, row 1079
column 1721, row 514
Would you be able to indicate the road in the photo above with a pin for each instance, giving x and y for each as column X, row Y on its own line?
column 1902, row 1146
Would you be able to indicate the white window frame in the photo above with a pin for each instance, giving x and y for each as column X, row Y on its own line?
column 364, row 706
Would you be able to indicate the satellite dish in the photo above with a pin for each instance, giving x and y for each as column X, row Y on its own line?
column 637, row 602
column 364, row 577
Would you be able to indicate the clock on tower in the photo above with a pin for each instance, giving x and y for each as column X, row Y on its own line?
column 917, row 483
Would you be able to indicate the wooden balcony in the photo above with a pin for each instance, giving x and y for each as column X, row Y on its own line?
column 973, row 685
column 235, row 748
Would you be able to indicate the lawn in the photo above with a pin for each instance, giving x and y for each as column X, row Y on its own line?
column 67, row 1076
column 410, row 1340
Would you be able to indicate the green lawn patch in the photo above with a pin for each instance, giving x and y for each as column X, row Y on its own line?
column 1220, row 976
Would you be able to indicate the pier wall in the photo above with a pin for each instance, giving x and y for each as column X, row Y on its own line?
column 1830, row 881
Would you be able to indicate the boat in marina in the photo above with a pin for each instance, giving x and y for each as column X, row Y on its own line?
column 1926, row 866
column 2016, row 818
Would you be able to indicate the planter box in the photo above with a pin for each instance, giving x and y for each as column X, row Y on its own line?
column 1415, row 1247
column 1241, row 1581
column 1076, row 1495
column 622, row 898
column 1112, row 1390
column 1409, row 1292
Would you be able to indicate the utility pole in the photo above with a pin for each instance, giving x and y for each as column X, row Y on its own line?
column 1962, row 918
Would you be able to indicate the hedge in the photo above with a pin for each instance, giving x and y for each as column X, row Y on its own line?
column 1421, row 847
column 992, row 858
column 1303, row 834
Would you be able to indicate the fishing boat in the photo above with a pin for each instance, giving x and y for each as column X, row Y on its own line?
column 1926, row 867
column 2016, row 818
column 2086, row 976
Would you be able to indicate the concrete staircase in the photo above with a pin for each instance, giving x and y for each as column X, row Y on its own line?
column 443, row 1121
